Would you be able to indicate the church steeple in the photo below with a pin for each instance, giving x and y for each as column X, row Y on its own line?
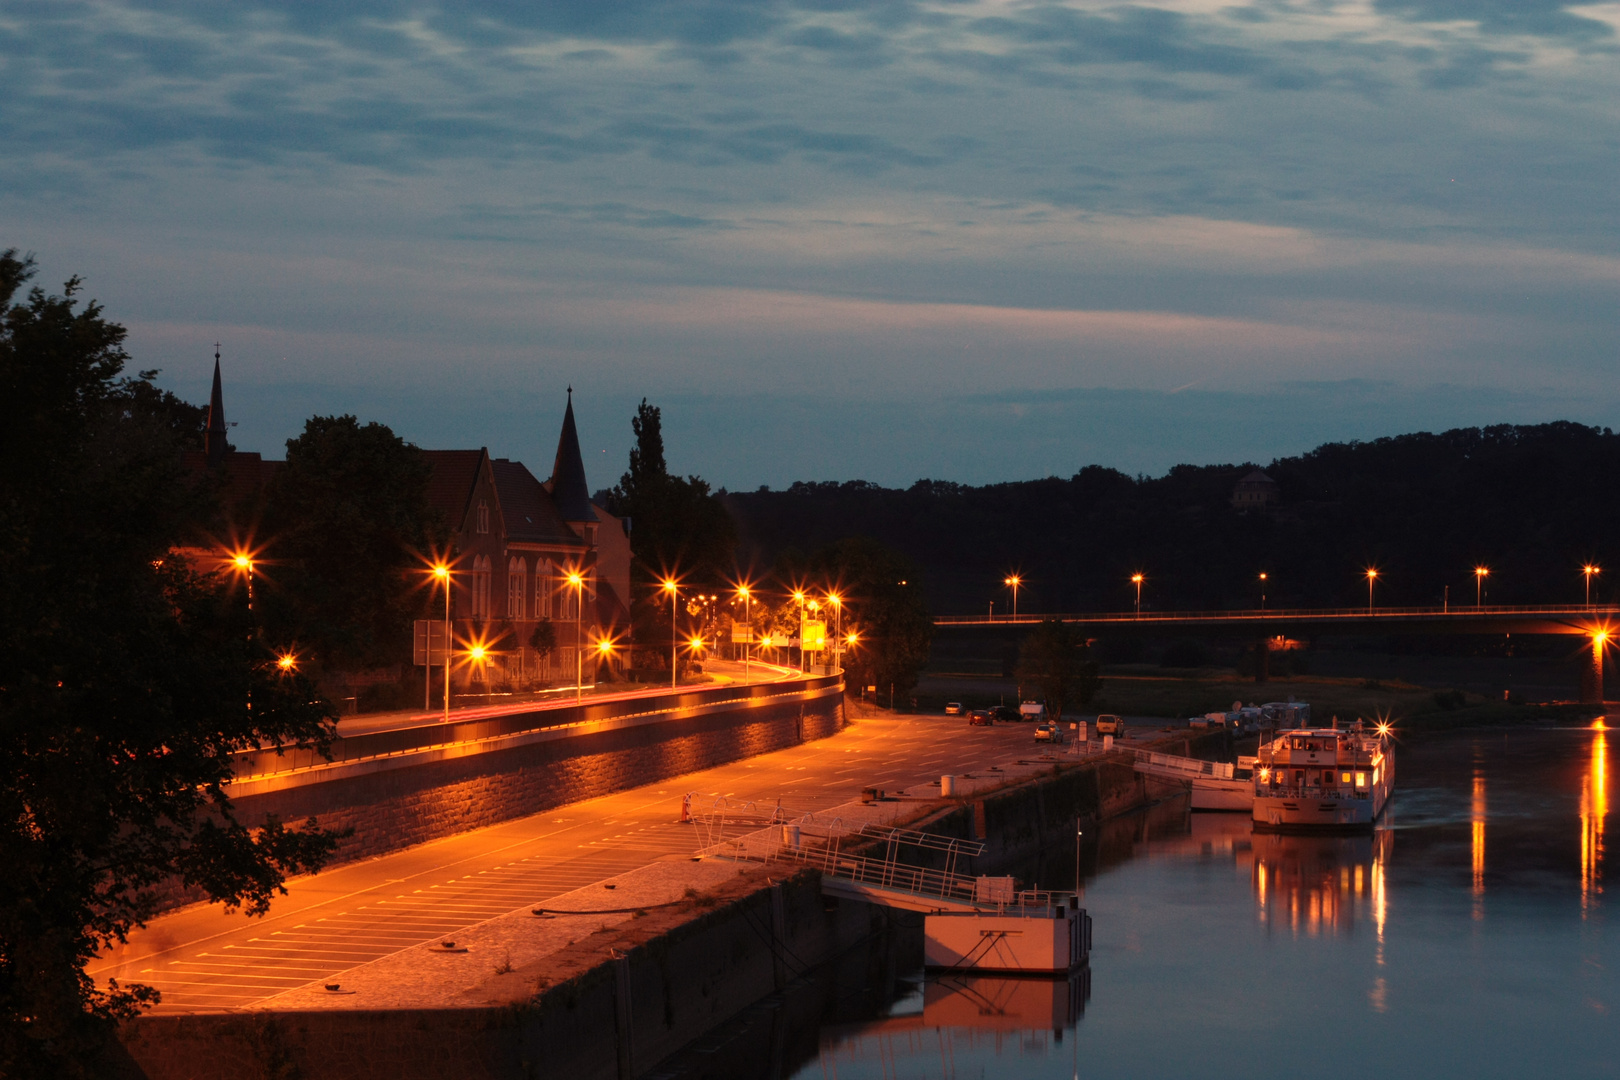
column 214, row 439
column 568, row 488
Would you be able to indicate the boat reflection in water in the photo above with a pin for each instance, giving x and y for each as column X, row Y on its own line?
column 1320, row 884
column 1019, row 1016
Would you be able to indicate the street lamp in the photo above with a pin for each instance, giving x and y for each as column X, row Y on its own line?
column 672, row 587
column 748, row 642
column 1480, row 574
column 1589, row 570
column 1372, row 576
column 577, row 581
column 1262, row 590
column 798, row 596
column 441, row 573
column 287, row 663
column 838, row 630
column 1013, row 581
column 1137, row 579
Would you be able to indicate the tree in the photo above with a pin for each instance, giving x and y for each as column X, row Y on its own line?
column 884, row 606
column 125, row 682
column 349, row 522
column 677, row 527
column 1056, row 658
column 544, row 638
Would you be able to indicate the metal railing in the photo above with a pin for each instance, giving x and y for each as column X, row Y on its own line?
column 272, row 761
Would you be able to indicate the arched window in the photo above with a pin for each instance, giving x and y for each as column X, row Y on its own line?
column 545, row 584
column 517, row 587
column 480, row 587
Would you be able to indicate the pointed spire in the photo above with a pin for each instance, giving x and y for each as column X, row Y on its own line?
column 568, row 488
column 214, row 439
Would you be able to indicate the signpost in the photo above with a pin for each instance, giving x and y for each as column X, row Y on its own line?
column 428, row 651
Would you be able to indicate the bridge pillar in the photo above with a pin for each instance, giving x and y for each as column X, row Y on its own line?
column 1592, row 670
column 1262, row 661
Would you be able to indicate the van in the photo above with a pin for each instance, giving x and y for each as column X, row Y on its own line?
column 1032, row 710
column 1109, row 724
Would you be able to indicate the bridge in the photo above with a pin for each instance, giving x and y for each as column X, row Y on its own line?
column 1599, row 623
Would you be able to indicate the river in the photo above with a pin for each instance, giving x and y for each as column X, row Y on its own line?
column 1465, row 937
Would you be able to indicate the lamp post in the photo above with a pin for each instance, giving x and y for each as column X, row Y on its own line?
column 1372, row 576
column 1137, row 579
column 748, row 642
column 838, row 628
column 577, row 580
column 1480, row 574
column 442, row 573
column 799, row 597
column 243, row 562
column 1589, row 570
column 1012, row 582
column 1262, row 590
column 672, row 587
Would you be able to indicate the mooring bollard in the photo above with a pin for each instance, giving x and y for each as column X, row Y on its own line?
column 947, row 785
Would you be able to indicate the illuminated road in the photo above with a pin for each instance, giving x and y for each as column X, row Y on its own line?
column 724, row 671
column 204, row 959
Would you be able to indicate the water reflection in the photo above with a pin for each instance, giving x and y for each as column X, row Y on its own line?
column 1594, row 811
column 1315, row 885
column 1476, row 817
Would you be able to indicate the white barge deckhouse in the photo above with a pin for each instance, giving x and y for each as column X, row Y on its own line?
column 1323, row 779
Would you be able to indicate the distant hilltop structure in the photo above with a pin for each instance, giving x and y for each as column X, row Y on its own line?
column 1256, row 491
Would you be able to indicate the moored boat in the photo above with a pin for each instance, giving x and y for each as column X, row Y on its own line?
column 1323, row 779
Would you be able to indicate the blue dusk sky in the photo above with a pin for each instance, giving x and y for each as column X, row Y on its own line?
column 972, row 241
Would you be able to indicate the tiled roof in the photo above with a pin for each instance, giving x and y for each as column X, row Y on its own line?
column 455, row 472
column 527, row 509
column 568, row 487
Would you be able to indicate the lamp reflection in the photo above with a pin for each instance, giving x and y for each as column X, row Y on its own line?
column 1476, row 818
column 1594, row 811
column 1320, row 884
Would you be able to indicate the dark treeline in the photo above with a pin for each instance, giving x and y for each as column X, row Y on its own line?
column 1532, row 503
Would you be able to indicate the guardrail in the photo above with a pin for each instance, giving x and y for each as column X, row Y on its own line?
column 273, row 761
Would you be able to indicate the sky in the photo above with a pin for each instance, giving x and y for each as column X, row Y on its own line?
column 972, row 241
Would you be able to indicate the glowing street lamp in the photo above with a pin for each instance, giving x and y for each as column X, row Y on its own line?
column 798, row 596
column 287, row 663
column 1012, row 581
column 1262, row 590
column 441, row 574
column 672, row 587
column 1372, row 576
column 1137, row 579
column 1480, row 574
column 747, row 597
column 837, row 603
column 576, row 581
column 1589, row 570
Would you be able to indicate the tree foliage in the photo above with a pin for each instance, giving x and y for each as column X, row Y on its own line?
column 125, row 682
column 677, row 527
column 348, row 522
column 884, row 605
column 1056, row 659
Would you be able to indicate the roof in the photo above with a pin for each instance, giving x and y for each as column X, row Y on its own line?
column 526, row 509
column 450, row 488
column 244, row 473
column 1257, row 477
column 568, row 488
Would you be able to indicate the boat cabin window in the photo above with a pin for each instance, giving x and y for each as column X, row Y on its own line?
column 1361, row 779
column 1344, row 778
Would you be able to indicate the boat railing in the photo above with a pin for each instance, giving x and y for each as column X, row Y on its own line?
column 1312, row 793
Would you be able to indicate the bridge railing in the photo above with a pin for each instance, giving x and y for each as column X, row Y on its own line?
column 270, row 761
column 1455, row 611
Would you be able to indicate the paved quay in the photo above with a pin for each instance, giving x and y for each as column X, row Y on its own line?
column 334, row 925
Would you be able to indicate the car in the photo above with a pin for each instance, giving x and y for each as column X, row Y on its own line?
column 981, row 718
column 1047, row 731
column 1005, row 713
column 953, row 708
column 1110, row 724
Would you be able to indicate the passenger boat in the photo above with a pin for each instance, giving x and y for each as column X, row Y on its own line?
column 1323, row 779
column 1213, row 785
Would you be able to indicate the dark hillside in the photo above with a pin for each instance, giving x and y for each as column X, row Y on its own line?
column 1532, row 503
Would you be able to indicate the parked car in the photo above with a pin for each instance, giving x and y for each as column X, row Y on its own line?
column 1110, row 724
column 953, row 708
column 1032, row 710
column 981, row 718
column 1005, row 713
column 1047, row 731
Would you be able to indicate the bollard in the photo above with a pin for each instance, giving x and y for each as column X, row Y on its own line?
column 686, row 808
column 947, row 785
column 1108, row 743
column 790, row 837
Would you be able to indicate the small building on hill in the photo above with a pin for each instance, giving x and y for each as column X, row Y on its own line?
column 1256, row 491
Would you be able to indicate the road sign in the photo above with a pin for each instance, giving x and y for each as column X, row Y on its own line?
column 741, row 634
column 428, row 645
column 815, row 636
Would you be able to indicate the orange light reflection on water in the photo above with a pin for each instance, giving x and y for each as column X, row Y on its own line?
column 1594, row 811
column 1477, row 819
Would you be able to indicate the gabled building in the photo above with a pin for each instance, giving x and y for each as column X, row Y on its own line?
column 1256, row 491
column 528, row 552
